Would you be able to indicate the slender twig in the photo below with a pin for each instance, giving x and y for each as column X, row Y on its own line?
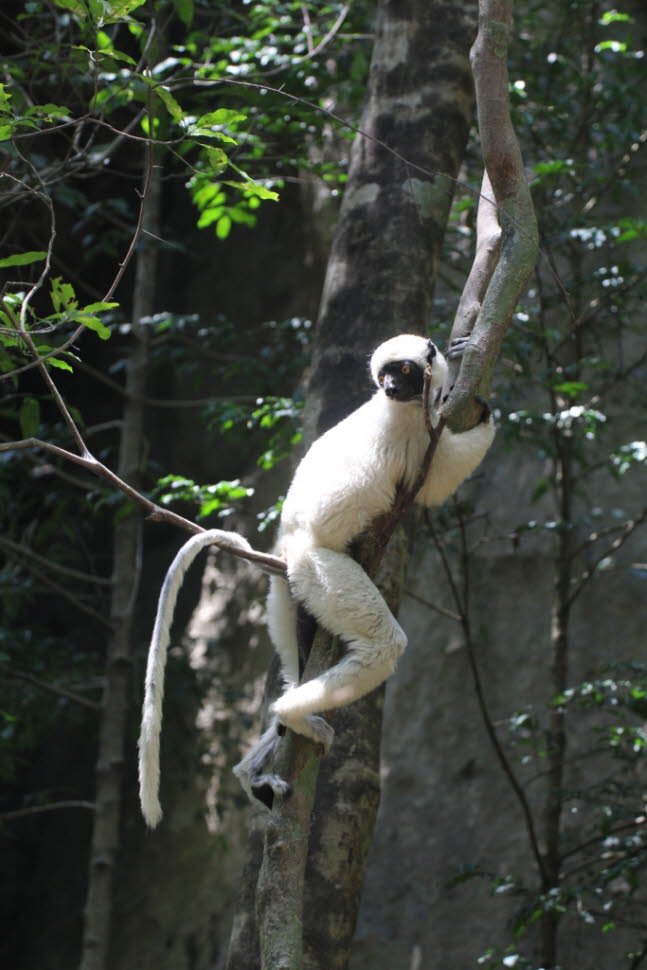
column 63, row 591
column 628, row 529
column 44, row 373
column 37, row 809
column 433, row 606
column 313, row 50
column 265, row 561
column 69, row 695
column 27, row 553
column 462, row 607
column 113, row 286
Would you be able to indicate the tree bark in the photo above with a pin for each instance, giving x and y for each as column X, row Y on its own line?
column 126, row 576
column 519, row 236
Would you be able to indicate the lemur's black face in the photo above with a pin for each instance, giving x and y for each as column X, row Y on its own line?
column 402, row 380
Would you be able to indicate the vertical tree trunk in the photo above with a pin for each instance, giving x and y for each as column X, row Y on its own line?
column 382, row 266
column 126, row 575
column 379, row 282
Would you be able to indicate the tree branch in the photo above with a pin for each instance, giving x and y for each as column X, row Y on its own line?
column 519, row 236
column 49, row 688
column 265, row 561
column 23, row 551
column 37, row 809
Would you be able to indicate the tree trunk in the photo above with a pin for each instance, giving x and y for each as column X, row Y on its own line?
column 379, row 282
column 126, row 575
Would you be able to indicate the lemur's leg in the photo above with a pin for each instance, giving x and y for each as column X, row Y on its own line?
column 346, row 602
column 251, row 771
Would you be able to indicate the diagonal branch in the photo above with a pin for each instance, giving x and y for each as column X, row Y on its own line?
column 49, row 688
column 265, row 561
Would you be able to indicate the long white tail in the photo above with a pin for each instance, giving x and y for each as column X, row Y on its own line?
column 149, row 738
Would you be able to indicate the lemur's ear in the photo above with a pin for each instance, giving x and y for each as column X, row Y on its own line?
column 431, row 352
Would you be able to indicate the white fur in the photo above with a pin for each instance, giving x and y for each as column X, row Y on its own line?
column 347, row 478
column 149, row 738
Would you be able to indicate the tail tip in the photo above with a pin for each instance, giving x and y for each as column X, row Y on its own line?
column 152, row 813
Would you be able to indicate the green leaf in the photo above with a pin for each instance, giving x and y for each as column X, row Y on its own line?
column 49, row 110
column 540, row 489
column 617, row 46
column 222, row 116
column 550, row 168
column 250, row 188
column 97, row 307
column 114, row 11
column 23, row 259
column 63, row 295
column 93, row 323
column 104, row 56
column 223, row 226
column 217, row 159
column 218, row 135
column 613, row 17
column 60, row 364
column 570, row 388
column 169, row 102
column 207, row 508
column 29, row 417
column 5, row 98
column 77, row 7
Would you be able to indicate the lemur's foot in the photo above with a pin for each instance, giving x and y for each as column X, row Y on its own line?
column 309, row 725
column 265, row 788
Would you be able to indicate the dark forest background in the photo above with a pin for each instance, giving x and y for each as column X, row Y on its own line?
column 171, row 189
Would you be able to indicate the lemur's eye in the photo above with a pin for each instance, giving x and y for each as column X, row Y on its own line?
column 405, row 369
column 380, row 378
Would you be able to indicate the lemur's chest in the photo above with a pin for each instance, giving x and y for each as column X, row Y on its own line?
column 402, row 452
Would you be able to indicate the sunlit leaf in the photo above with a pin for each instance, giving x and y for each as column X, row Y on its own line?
column 93, row 323
column 169, row 102
column 23, row 259
column 223, row 226
column 63, row 295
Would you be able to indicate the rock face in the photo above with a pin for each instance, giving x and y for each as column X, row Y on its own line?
column 446, row 803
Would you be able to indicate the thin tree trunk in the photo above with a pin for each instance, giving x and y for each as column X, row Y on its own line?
column 126, row 575
column 557, row 737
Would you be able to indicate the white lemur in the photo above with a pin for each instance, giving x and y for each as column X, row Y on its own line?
column 347, row 478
